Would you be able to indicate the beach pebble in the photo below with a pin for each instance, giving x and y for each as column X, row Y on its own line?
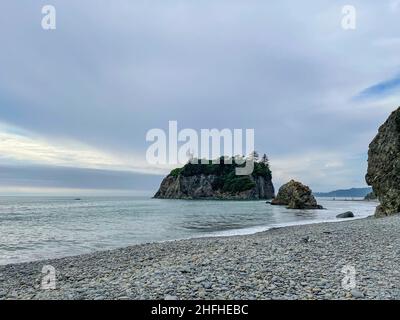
column 356, row 293
column 207, row 285
column 200, row 279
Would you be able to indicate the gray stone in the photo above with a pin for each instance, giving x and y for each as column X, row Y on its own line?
column 186, row 270
column 357, row 294
column 207, row 285
column 200, row 279
column 347, row 214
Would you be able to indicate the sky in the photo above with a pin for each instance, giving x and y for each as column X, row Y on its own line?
column 76, row 102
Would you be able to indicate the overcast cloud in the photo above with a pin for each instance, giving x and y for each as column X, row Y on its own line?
column 84, row 95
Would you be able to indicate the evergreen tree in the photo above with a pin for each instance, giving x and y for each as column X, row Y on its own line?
column 265, row 159
column 254, row 156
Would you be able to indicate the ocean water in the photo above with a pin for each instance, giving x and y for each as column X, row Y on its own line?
column 33, row 228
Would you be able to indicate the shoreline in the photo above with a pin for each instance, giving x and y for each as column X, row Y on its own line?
column 220, row 234
column 104, row 232
column 297, row 262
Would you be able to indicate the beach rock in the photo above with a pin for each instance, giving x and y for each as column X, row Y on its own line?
column 295, row 195
column 356, row 293
column 200, row 279
column 305, row 239
column 186, row 270
column 384, row 166
column 169, row 297
column 207, row 285
column 347, row 214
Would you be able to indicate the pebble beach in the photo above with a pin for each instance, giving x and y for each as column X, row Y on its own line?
column 299, row 262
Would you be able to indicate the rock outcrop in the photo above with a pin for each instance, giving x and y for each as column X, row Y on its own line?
column 384, row 166
column 216, row 181
column 295, row 195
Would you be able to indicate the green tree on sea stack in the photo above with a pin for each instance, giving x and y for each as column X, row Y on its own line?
column 265, row 159
column 226, row 178
column 254, row 156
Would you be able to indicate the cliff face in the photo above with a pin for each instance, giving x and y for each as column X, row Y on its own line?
column 221, row 184
column 384, row 166
column 201, row 187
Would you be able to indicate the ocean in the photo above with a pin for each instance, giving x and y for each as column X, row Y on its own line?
column 36, row 228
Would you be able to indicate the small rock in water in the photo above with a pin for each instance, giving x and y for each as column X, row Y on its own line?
column 356, row 293
column 295, row 195
column 347, row 214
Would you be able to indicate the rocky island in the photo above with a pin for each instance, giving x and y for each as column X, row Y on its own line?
column 295, row 195
column 217, row 181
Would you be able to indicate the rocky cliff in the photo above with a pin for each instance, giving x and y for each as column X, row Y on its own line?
column 384, row 166
column 216, row 181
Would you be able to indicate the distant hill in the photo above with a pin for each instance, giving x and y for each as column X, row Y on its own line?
column 353, row 192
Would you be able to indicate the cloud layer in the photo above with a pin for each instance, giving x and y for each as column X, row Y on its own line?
column 84, row 95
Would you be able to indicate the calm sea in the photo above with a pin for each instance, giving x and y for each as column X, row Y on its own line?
column 33, row 228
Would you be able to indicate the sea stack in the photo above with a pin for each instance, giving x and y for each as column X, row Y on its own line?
column 295, row 195
column 384, row 166
column 217, row 182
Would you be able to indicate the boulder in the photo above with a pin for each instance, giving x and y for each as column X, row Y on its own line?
column 384, row 166
column 347, row 214
column 295, row 195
